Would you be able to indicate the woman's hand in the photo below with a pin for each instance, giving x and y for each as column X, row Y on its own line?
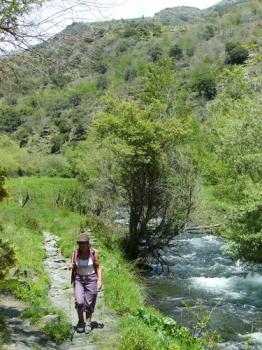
column 99, row 285
column 70, row 266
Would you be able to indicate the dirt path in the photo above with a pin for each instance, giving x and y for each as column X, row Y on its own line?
column 104, row 330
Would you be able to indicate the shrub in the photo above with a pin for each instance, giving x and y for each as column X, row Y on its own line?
column 7, row 259
column 57, row 142
column 175, row 52
column 3, row 189
column 75, row 99
column 101, row 82
column 235, row 53
column 155, row 53
column 101, row 68
column 10, row 119
column 208, row 32
column 203, row 82
column 129, row 74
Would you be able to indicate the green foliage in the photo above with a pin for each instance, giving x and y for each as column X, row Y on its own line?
column 18, row 161
column 155, row 53
column 237, row 146
column 129, row 74
column 175, row 52
column 10, row 119
column 146, row 329
column 208, row 32
column 158, row 86
column 204, row 83
column 11, row 11
column 100, row 68
column 138, row 30
column 7, row 257
column 138, row 336
column 101, row 82
column 236, row 53
column 139, row 150
column 3, row 188
column 58, row 331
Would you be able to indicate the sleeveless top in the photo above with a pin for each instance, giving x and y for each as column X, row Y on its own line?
column 75, row 261
column 85, row 267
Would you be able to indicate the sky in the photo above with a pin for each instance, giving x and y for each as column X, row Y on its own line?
column 44, row 22
column 137, row 8
column 96, row 10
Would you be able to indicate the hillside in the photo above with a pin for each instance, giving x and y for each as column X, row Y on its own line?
column 49, row 100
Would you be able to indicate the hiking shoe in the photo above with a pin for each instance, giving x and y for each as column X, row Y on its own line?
column 88, row 328
column 80, row 327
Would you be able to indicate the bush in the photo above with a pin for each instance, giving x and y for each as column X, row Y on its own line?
column 8, row 258
column 155, row 53
column 57, row 142
column 100, row 68
column 137, row 335
column 175, row 52
column 129, row 74
column 54, row 165
column 203, row 82
column 10, row 119
column 235, row 53
column 3, row 189
column 208, row 32
column 101, row 82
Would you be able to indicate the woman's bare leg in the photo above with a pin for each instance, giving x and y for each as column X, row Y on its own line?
column 88, row 317
column 80, row 313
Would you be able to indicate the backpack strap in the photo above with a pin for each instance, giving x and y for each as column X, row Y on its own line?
column 74, row 257
column 73, row 261
column 94, row 259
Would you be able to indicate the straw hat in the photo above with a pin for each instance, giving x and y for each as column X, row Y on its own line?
column 83, row 237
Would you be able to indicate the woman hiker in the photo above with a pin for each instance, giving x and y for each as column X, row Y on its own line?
column 87, row 280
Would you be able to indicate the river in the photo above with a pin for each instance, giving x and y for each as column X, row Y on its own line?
column 230, row 291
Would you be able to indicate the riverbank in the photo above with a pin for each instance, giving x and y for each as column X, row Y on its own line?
column 124, row 293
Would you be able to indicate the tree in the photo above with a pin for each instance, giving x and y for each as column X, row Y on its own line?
column 237, row 145
column 147, row 164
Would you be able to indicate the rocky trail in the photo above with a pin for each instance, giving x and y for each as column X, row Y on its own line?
column 104, row 330
column 21, row 335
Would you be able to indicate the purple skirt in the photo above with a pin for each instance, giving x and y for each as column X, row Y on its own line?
column 86, row 292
